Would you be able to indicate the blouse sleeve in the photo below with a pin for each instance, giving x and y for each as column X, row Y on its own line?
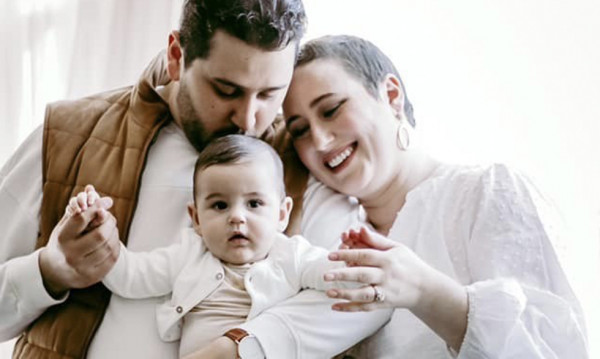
column 520, row 302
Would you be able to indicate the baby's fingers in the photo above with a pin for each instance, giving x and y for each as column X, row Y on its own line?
column 92, row 195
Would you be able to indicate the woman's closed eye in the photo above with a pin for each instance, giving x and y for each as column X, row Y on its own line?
column 298, row 129
column 331, row 111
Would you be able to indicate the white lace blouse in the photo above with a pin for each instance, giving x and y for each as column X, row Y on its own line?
column 491, row 230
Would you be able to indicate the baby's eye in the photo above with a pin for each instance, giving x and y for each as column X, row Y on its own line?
column 255, row 203
column 219, row 205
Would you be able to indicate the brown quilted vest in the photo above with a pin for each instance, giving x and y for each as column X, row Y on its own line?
column 104, row 140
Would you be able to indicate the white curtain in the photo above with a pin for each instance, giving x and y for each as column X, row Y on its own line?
column 512, row 81
column 60, row 49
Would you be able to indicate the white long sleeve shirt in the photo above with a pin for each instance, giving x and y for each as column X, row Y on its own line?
column 190, row 273
column 490, row 230
column 300, row 327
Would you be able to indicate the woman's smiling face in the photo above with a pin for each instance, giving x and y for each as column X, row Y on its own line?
column 344, row 135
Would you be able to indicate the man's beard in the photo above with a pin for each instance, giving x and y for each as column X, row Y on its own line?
column 193, row 126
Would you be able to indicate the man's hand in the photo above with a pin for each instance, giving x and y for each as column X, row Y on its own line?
column 81, row 250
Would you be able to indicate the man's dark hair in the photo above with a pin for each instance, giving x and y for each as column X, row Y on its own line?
column 267, row 24
column 233, row 149
column 360, row 58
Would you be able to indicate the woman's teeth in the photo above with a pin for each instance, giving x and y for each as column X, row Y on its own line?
column 340, row 158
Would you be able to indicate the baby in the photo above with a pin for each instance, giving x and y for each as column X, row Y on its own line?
column 235, row 262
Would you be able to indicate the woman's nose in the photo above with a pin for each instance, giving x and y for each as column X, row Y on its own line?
column 322, row 137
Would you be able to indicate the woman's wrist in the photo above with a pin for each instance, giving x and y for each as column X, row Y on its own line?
column 443, row 306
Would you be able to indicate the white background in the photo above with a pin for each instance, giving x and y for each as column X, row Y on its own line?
column 506, row 81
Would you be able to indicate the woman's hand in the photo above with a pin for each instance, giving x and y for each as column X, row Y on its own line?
column 394, row 276
column 382, row 265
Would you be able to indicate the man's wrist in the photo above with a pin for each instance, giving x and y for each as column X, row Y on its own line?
column 54, row 289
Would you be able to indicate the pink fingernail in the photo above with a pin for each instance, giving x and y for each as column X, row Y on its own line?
column 334, row 256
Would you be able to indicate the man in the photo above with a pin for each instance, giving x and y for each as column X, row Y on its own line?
column 227, row 70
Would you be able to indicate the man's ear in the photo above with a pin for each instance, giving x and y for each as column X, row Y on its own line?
column 174, row 56
column 284, row 213
column 194, row 216
column 393, row 94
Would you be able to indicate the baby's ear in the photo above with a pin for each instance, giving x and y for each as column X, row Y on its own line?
column 284, row 213
column 194, row 216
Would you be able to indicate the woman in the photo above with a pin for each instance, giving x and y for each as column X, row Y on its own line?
column 469, row 263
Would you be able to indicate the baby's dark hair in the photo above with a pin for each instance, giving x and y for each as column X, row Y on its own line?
column 232, row 149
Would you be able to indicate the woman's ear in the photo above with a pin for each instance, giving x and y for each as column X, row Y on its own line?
column 393, row 94
column 174, row 56
column 194, row 216
column 284, row 213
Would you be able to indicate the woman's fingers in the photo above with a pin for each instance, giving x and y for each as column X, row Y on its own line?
column 365, row 294
column 358, row 257
column 358, row 299
column 367, row 275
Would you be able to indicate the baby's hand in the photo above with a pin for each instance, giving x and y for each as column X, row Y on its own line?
column 86, row 200
column 363, row 238
column 82, row 201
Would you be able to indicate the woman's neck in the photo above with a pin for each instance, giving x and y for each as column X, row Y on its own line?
column 382, row 206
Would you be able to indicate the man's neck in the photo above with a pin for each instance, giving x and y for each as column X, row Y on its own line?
column 169, row 94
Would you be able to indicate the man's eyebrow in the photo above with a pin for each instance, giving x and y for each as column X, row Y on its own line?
column 233, row 84
column 226, row 82
column 312, row 104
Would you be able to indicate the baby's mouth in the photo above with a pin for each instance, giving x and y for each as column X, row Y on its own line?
column 238, row 238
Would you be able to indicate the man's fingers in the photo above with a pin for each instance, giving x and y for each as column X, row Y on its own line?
column 74, row 206
column 72, row 227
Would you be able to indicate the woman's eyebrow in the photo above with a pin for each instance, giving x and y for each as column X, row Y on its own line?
column 316, row 101
column 312, row 104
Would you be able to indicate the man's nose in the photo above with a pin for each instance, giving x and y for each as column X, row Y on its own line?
column 245, row 114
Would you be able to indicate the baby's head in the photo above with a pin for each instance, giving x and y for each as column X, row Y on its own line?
column 239, row 198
